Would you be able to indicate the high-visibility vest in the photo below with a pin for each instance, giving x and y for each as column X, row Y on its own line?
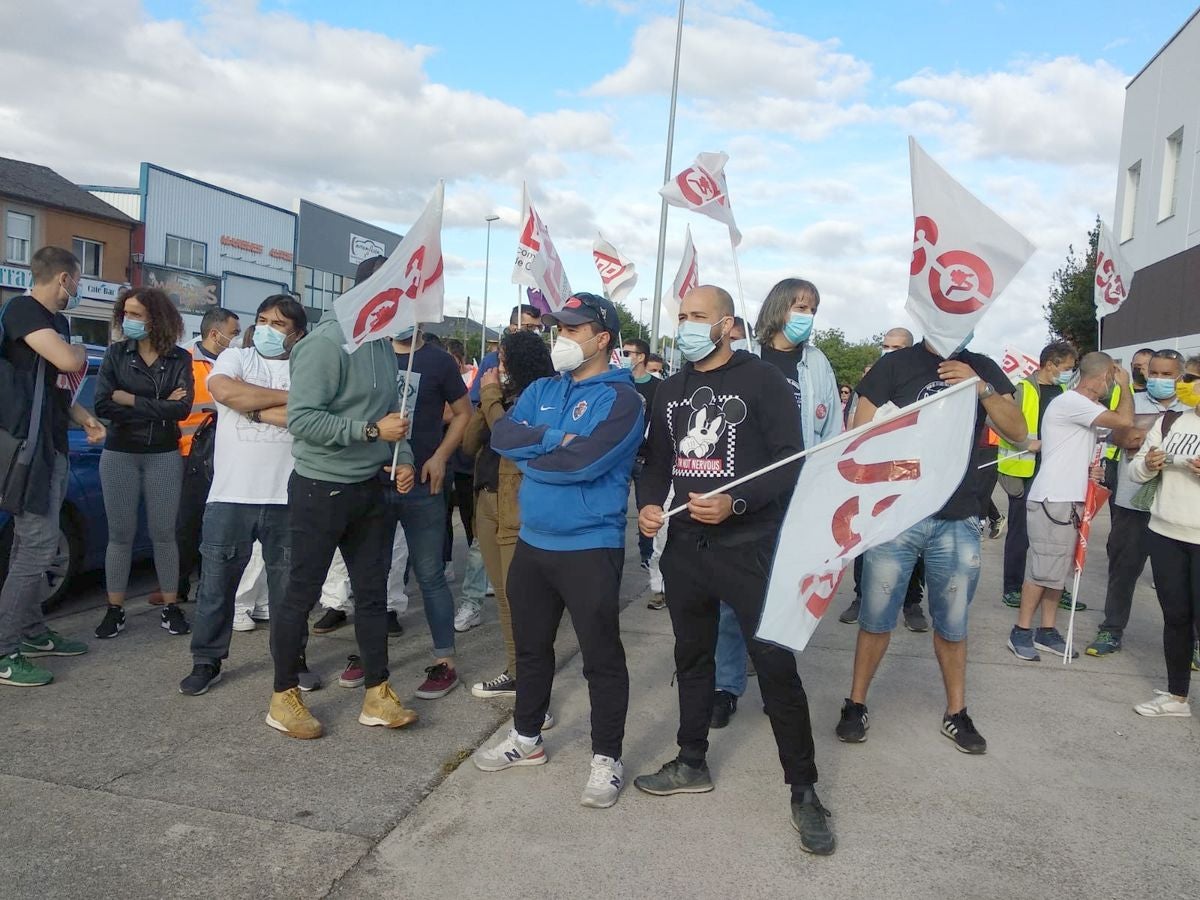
column 1112, row 451
column 1012, row 462
column 201, row 405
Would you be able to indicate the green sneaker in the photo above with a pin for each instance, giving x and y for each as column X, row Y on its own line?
column 1105, row 643
column 1064, row 602
column 16, row 670
column 51, row 643
column 1012, row 599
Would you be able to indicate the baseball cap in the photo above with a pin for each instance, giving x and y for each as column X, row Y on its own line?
column 584, row 307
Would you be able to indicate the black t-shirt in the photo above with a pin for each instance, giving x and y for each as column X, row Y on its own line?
column 908, row 375
column 23, row 316
column 1047, row 393
column 436, row 381
column 787, row 362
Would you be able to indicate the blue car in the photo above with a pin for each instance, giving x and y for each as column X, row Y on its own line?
column 82, row 525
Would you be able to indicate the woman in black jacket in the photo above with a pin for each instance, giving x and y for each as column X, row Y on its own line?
column 145, row 389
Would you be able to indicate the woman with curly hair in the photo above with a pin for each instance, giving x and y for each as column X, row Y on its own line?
column 524, row 358
column 145, row 390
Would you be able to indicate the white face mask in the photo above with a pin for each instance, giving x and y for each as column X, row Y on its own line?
column 740, row 344
column 566, row 355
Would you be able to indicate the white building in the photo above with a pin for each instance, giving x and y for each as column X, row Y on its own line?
column 1157, row 216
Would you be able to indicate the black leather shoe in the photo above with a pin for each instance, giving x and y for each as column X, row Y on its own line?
column 724, row 706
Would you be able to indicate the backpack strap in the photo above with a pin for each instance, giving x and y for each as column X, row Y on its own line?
column 1170, row 417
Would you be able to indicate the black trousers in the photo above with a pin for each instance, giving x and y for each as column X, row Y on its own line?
column 1127, row 552
column 460, row 493
column 188, row 521
column 1176, row 566
column 323, row 516
column 1016, row 542
column 541, row 583
column 916, row 582
column 697, row 577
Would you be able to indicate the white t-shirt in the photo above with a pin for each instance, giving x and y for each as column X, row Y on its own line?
column 1068, row 444
column 253, row 461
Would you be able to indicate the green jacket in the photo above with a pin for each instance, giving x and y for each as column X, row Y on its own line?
column 333, row 395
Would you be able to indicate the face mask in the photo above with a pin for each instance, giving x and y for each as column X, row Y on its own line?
column 1138, row 378
column 566, row 355
column 740, row 344
column 1065, row 376
column 694, row 340
column 74, row 298
column 884, row 351
column 406, row 334
column 1188, row 392
column 268, row 342
column 626, row 361
column 1160, row 388
column 798, row 327
column 133, row 328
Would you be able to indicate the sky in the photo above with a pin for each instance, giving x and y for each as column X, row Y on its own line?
column 362, row 107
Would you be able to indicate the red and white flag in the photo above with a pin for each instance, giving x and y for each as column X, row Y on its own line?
column 686, row 278
column 963, row 256
column 857, row 491
column 701, row 188
column 617, row 273
column 1018, row 365
column 407, row 289
column 72, row 381
column 538, row 264
column 1114, row 275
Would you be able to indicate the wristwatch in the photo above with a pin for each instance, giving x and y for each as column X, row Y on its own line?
column 739, row 506
column 255, row 415
column 988, row 391
column 371, row 432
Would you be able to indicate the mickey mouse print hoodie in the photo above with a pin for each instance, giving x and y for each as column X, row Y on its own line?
column 710, row 428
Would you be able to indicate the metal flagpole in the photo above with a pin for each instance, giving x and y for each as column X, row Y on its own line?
column 487, row 263
column 655, row 314
column 412, row 354
column 737, row 275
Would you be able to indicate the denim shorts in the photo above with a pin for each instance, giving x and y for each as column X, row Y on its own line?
column 950, row 548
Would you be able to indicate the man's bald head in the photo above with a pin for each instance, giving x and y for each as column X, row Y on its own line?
column 714, row 300
column 897, row 339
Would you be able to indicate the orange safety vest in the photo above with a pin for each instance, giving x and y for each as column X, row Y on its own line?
column 203, row 403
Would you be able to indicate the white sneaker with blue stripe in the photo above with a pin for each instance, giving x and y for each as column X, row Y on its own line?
column 604, row 783
column 514, row 750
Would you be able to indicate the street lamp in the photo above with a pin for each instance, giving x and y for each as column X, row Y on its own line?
column 487, row 262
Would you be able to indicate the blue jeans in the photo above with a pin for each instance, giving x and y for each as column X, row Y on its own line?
column 950, row 548
column 424, row 522
column 229, row 533
column 731, row 653
column 475, row 579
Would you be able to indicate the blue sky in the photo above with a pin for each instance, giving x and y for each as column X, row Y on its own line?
column 361, row 107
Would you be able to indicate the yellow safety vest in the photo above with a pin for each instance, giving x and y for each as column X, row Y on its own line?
column 1012, row 462
column 1112, row 451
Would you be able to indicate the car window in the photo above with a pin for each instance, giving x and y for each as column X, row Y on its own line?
column 87, row 396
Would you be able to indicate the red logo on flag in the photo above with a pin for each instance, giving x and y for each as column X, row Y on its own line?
column 959, row 282
column 821, row 410
column 1112, row 286
column 377, row 312
column 699, row 187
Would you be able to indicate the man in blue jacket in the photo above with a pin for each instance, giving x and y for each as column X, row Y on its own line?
column 574, row 437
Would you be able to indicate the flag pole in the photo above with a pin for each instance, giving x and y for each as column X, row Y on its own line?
column 841, row 438
column 1071, row 620
column 656, row 313
column 737, row 275
column 412, row 354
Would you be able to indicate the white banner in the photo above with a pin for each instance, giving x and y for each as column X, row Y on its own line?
column 407, row 289
column 617, row 273
column 686, row 278
column 964, row 255
column 538, row 264
column 1018, row 365
column 857, row 491
column 1114, row 276
column 701, row 188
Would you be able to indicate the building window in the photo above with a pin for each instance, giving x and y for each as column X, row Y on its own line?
column 319, row 289
column 1168, row 195
column 90, row 255
column 1133, row 181
column 183, row 253
column 18, row 231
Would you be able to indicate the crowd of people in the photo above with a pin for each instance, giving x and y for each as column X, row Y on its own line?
column 293, row 474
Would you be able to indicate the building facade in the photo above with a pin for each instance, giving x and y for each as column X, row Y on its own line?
column 1157, row 216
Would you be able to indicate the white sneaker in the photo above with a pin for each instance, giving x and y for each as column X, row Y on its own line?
column 490, row 591
column 449, row 573
column 548, row 722
column 467, row 617
column 514, row 750
column 242, row 620
column 1163, row 704
column 604, row 784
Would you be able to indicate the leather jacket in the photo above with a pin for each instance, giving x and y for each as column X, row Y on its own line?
column 151, row 425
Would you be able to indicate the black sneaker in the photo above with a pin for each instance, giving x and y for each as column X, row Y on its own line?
column 852, row 727
column 724, row 706
column 914, row 619
column 676, row 777
column 173, row 620
column 850, row 616
column 204, row 676
column 331, row 621
column 307, row 681
column 503, row 685
column 960, row 729
column 395, row 629
column 113, row 622
column 811, row 820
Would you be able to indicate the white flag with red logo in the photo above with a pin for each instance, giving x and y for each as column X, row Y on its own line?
column 407, row 289
column 701, row 188
column 963, row 256
column 686, row 278
column 1018, row 365
column 1114, row 275
column 538, row 264
column 617, row 273
column 857, row 491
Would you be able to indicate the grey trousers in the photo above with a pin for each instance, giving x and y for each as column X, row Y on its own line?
column 127, row 479
column 35, row 541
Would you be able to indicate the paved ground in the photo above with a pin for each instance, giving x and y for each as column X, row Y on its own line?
column 116, row 785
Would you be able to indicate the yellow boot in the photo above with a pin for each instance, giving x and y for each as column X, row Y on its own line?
column 289, row 715
column 381, row 706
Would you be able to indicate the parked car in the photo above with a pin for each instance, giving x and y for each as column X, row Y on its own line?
column 82, row 525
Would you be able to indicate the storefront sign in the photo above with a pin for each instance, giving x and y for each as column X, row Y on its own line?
column 285, row 255
column 16, row 277
column 364, row 248
column 91, row 289
column 193, row 293
column 241, row 244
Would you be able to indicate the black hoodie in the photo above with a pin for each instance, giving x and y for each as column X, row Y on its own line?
column 709, row 428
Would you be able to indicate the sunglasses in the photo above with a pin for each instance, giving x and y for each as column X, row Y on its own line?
column 1189, row 378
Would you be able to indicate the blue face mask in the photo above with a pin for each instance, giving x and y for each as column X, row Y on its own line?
column 1065, row 376
column 406, row 334
column 798, row 327
column 1160, row 388
column 133, row 328
column 74, row 298
column 268, row 342
column 694, row 340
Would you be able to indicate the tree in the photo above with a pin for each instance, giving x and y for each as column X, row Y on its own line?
column 848, row 359
column 1071, row 312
